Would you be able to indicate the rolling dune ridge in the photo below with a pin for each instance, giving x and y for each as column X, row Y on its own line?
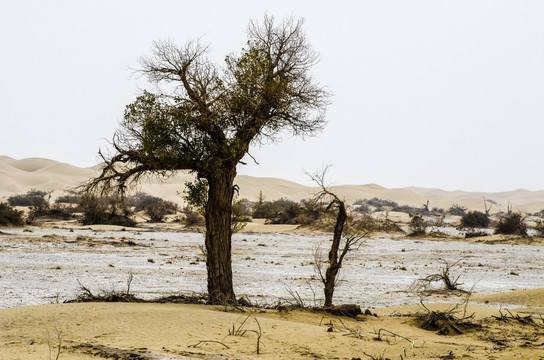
column 19, row 176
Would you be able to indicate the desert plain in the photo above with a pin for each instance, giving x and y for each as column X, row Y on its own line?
column 496, row 313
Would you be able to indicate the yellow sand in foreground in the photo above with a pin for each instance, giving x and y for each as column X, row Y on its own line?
column 174, row 331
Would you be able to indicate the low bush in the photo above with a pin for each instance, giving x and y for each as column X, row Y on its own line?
column 266, row 209
column 475, row 219
column 71, row 197
column 57, row 211
column 417, row 225
column 157, row 212
column 241, row 209
column 284, row 211
column 10, row 216
column 512, row 224
column 192, row 217
column 33, row 198
column 475, row 233
column 367, row 206
column 155, row 207
column 361, row 208
column 539, row 228
column 106, row 210
column 240, row 215
column 141, row 201
column 367, row 222
column 410, row 209
column 381, row 204
column 457, row 210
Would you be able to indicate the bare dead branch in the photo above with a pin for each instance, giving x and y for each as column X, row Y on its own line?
column 208, row 341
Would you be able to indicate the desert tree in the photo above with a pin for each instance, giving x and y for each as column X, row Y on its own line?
column 346, row 236
column 203, row 118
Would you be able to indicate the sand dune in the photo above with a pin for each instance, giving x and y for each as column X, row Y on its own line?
column 19, row 176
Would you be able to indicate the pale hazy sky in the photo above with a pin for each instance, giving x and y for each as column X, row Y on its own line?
column 445, row 94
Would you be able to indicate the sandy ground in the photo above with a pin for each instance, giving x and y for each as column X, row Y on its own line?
column 169, row 331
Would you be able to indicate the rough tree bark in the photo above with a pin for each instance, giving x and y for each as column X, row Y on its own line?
column 334, row 261
column 218, row 237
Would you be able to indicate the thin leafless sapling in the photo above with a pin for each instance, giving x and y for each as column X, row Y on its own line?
column 346, row 237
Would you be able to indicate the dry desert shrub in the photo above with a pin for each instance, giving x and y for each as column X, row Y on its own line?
column 475, row 219
column 417, row 225
column 512, row 224
column 283, row 211
column 69, row 197
column 33, row 197
column 9, row 216
column 191, row 217
column 540, row 229
column 457, row 210
column 155, row 207
column 449, row 281
column 106, row 210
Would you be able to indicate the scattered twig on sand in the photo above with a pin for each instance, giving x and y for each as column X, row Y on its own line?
column 376, row 357
column 390, row 333
column 208, row 341
column 54, row 344
column 524, row 320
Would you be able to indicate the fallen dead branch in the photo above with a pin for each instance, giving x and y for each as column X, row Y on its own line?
column 376, row 357
column 109, row 352
column 208, row 341
column 86, row 295
column 445, row 322
column 524, row 320
column 390, row 333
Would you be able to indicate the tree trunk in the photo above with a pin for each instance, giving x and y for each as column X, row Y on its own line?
column 334, row 265
column 218, row 236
